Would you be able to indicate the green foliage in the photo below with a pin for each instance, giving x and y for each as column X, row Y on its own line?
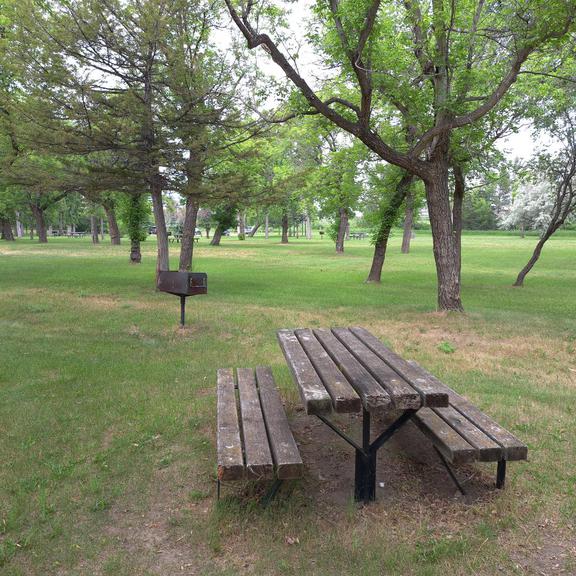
column 134, row 212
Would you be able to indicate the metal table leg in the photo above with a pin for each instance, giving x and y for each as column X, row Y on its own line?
column 365, row 457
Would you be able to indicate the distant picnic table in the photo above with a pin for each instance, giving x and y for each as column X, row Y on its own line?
column 349, row 370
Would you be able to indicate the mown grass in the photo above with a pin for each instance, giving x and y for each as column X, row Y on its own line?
column 107, row 409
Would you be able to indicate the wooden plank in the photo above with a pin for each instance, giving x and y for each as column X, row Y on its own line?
column 344, row 397
column 374, row 397
column 430, row 392
column 259, row 463
column 514, row 449
column 229, row 443
column 402, row 394
column 488, row 450
column 452, row 446
column 314, row 395
column 287, row 461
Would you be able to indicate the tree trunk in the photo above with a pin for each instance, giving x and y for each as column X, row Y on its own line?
column 443, row 238
column 94, row 230
column 40, row 220
column 6, row 229
column 535, row 255
column 388, row 218
column 102, row 229
column 284, row 228
column 31, row 232
column 188, row 233
column 342, row 225
column 19, row 227
column 207, row 232
column 522, row 230
column 347, row 231
column 217, row 236
column 135, row 253
column 113, row 229
column 242, row 225
column 459, row 189
column 408, row 221
column 255, row 229
column 266, row 227
column 163, row 262
column 308, row 227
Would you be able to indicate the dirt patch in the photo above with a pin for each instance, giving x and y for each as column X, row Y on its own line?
column 408, row 468
column 546, row 551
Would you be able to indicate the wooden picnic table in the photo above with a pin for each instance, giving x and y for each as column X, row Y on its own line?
column 349, row 370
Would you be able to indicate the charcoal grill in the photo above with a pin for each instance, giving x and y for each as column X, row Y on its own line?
column 183, row 284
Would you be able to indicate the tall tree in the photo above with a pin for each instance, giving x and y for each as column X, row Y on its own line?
column 446, row 64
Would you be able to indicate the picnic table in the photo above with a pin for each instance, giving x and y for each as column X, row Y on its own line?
column 349, row 370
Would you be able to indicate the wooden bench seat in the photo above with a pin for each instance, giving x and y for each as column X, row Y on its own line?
column 254, row 437
column 462, row 433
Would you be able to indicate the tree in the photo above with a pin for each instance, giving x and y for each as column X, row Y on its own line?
column 557, row 200
column 445, row 65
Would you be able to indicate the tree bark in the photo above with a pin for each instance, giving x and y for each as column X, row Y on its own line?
column 459, row 190
column 255, row 229
column 40, row 220
column 112, row 224
column 163, row 262
column 388, row 219
column 207, row 232
column 6, row 230
column 242, row 225
column 266, row 227
column 19, row 227
column 217, row 236
column 408, row 221
column 135, row 253
column 284, row 228
column 341, row 233
column 102, row 229
column 188, row 233
column 308, row 227
column 94, row 229
column 443, row 241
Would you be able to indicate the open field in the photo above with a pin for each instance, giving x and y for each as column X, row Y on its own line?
column 107, row 412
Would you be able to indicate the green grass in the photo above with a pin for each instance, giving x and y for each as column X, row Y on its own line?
column 107, row 410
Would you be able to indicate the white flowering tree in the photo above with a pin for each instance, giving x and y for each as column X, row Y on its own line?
column 531, row 207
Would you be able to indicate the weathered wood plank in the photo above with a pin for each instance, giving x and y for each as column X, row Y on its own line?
column 488, row 450
column 313, row 393
column 452, row 446
column 430, row 392
column 259, row 463
column 229, row 443
column 287, row 461
column 374, row 397
column 402, row 394
column 514, row 449
column 344, row 397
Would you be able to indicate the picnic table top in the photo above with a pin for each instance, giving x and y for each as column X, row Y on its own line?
column 350, row 369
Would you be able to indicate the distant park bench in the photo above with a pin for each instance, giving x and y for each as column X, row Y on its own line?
column 178, row 238
column 253, row 436
column 358, row 235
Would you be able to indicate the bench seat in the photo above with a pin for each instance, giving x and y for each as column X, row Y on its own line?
column 462, row 433
column 254, row 437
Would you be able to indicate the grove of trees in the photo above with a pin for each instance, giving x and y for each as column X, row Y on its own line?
column 158, row 116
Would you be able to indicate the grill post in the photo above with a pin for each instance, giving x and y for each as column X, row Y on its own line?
column 182, row 311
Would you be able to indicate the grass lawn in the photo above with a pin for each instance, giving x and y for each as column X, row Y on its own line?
column 107, row 410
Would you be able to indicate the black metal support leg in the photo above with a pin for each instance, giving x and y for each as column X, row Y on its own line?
column 450, row 471
column 501, row 474
column 269, row 496
column 366, row 455
column 182, row 310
